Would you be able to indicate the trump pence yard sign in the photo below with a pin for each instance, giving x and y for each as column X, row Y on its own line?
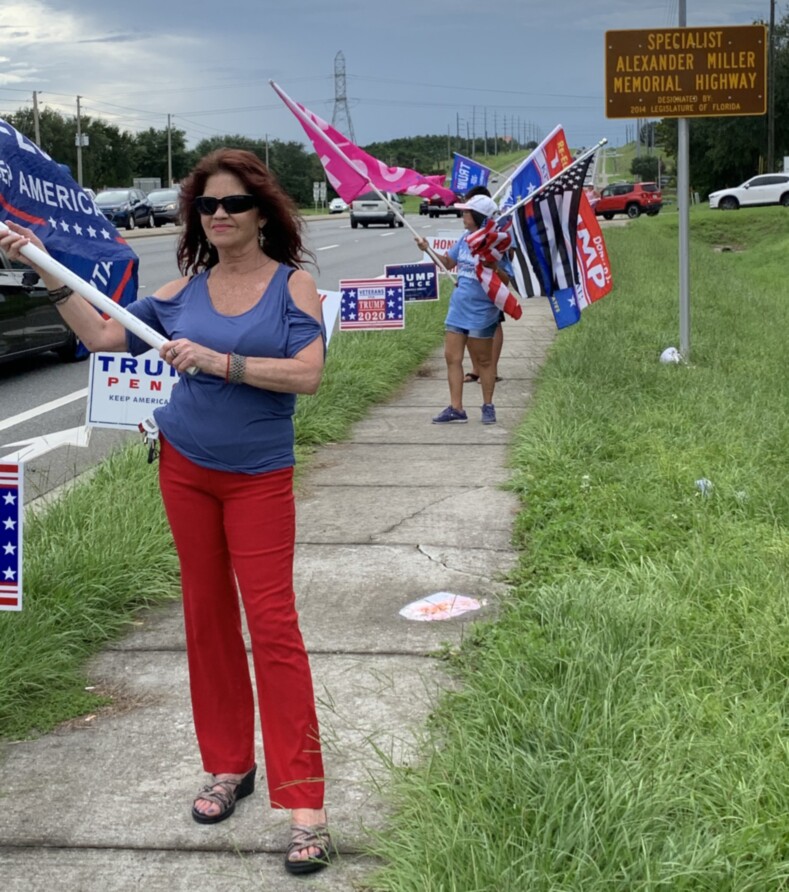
column 686, row 72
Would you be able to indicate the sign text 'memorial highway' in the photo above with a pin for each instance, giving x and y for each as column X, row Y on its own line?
column 686, row 72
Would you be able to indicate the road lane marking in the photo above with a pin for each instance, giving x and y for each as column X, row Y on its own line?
column 327, row 247
column 45, row 407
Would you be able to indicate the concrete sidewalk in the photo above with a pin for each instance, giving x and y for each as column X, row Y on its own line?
column 401, row 510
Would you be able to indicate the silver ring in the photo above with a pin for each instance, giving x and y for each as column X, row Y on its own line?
column 174, row 352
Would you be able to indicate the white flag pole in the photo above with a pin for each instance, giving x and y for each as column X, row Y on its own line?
column 543, row 186
column 307, row 121
column 92, row 294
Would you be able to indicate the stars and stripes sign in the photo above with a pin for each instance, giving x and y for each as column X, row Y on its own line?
column 372, row 304
column 11, row 477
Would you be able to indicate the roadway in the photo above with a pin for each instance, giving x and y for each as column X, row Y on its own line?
column 41, row 396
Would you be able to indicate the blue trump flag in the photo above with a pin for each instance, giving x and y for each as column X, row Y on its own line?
column 467, row 173
column 38, row 193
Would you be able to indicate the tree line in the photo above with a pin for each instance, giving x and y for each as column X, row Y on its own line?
column 115, row 157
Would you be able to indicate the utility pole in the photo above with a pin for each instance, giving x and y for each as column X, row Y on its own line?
column 36, row 121
column 79, row 143
column 169, row 153
column 771, row 93
column 474, row 130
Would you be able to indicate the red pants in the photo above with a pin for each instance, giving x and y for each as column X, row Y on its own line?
column 242, row 527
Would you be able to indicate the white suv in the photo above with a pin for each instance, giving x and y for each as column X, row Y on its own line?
column 769, row 188
column 369, row 208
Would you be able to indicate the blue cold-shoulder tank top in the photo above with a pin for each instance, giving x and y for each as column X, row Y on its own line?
column 229, row 427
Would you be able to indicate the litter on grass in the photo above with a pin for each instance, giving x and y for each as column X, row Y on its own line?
column 704, row 486
column 671, row 354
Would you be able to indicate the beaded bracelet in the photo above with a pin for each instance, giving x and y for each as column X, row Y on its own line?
column 236, row 368
column 60, row 295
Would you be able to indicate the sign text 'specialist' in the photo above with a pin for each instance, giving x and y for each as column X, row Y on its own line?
column 686, row 72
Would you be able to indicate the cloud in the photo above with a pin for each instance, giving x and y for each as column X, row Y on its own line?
column 414, row 67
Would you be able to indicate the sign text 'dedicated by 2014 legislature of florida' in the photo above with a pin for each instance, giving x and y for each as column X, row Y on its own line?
column 686, row 72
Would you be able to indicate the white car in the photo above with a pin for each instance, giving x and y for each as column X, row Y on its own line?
column 768, row 188
column 337, row 206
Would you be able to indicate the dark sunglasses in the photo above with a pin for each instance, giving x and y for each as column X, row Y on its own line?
column 233, row 204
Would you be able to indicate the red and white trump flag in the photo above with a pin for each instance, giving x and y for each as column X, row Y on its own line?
column 11, row 477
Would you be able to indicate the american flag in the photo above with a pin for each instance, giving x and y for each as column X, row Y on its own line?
column 372, row 303
column 489, row 244
column 545, row 230
column 10, row 537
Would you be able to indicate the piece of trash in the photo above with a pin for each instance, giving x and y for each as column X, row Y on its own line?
column 704, row 486
column 671, row 354
column 441, row 605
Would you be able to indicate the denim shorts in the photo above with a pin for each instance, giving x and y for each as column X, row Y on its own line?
column 484, row 333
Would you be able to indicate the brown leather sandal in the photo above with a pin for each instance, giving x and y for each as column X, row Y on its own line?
column 225, row 794
column 304, row 837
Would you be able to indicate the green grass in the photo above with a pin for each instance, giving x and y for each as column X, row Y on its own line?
column 103, row 550
column 622, row 725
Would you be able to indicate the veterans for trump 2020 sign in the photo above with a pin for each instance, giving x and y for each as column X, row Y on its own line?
column 371, row 304
column 686, row 72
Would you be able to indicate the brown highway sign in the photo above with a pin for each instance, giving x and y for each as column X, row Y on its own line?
column 686, row 72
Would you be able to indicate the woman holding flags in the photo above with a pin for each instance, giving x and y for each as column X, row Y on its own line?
column 472, row 318
column 244, row 320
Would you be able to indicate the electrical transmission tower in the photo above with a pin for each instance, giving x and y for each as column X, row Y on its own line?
column 341, row 117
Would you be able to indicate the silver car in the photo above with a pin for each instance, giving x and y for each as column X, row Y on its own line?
column 165, row 206
column 370, row 208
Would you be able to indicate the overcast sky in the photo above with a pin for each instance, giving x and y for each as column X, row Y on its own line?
column 411, row 66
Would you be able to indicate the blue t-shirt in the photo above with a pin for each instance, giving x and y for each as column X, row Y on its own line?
column 469, row 307
column 229, row 427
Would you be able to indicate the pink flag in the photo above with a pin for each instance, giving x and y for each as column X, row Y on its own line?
column 351, row 171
